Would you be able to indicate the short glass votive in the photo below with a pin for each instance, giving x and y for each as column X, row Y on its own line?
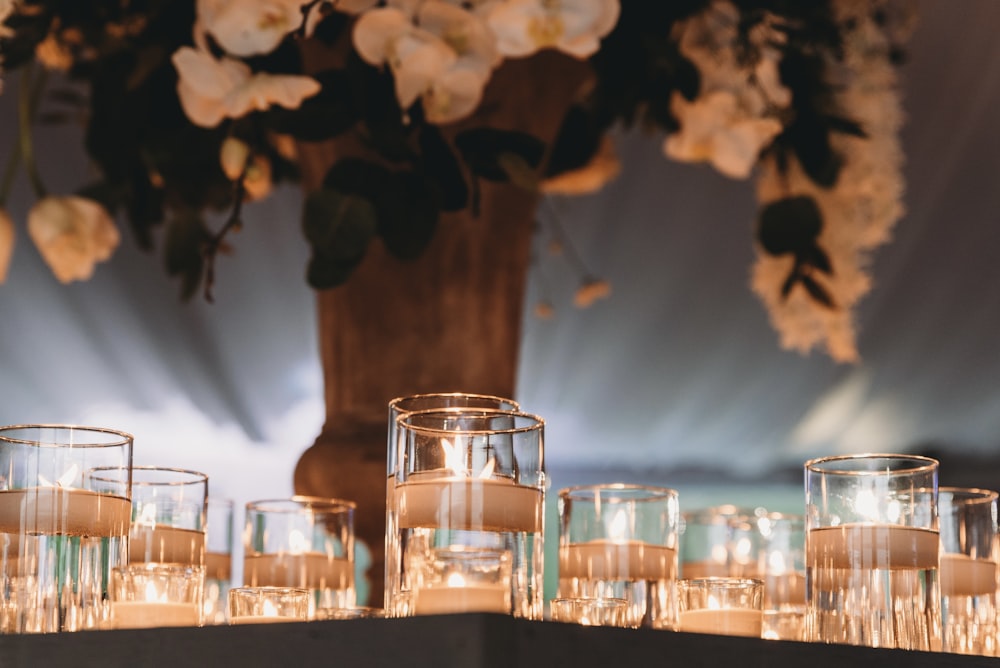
column 305, row 543
column 149, row 595
column 968, row 525
column 360, row 612
column 218, row 558
column 620, row 541
column 469, row 479
column 590, row 611
column 408, row 404
column 721, row 606
column 168, row 516
column 462, row 579
column 265, row 605
column 872, row 548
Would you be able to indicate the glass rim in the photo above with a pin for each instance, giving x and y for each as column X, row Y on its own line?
column 537, row 422
column 723, row 513
column 603, row 601
column 159, row 567
column 394, row 403
column 921, row 464
column 299, row 503
column 590, row 492
column 194, row 477
column 125, row 437
column 720, row 580
column 270, row 589
column 971, row 495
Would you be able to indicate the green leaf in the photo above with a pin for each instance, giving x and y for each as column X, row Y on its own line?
column 442, row 169
column 407, row 215
column 325, row 272
column 789, row 225
column 338, row 225
column 357, row 177
column 185, row 238
column 576, row 143
column 481, row 149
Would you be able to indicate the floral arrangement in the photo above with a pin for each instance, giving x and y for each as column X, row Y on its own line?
column 195, row 107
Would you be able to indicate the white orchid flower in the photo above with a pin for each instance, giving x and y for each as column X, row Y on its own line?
column 211, row 90
column 438, row 52
column 7, row 8
column 715, row 129
column 249, row 27
column 6, row 243
column 72, row 234
column 574, row 27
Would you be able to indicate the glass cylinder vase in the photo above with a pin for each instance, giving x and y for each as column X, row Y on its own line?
column 60, row 534
column 408, row 404
column 469, row 480
column 872, row 551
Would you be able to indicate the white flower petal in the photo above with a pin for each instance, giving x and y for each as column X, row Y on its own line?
column 206, row 112
column 72, row 234
column 203, row 82
column 375, row 30
column 354, row 6
column 7, row 235
column 453, row 96
column 738, row 147
column 421, row 59
column 263, row 90
column 249, row 27
column 207, row 76
column 510, row 22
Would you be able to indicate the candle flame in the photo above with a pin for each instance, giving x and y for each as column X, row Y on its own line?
column 152, row 595
column 456, row 580
column 713, row 603
column 487, row 471
column 454, row 459
column 297, row 543
column 618, row 528
column 65, row 480
column 147, row 515
column 268, row 609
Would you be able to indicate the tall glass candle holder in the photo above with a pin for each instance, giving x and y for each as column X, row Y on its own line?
column 303, row 542
column 168, row 516
column 620, row 541
column 968, row 520
column 469, row 479
column 60, row 535
column 218, row 558
column 872, row 551
column 408, row 404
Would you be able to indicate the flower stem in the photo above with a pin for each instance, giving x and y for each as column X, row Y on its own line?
column 28, row 96
column 571, row 253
